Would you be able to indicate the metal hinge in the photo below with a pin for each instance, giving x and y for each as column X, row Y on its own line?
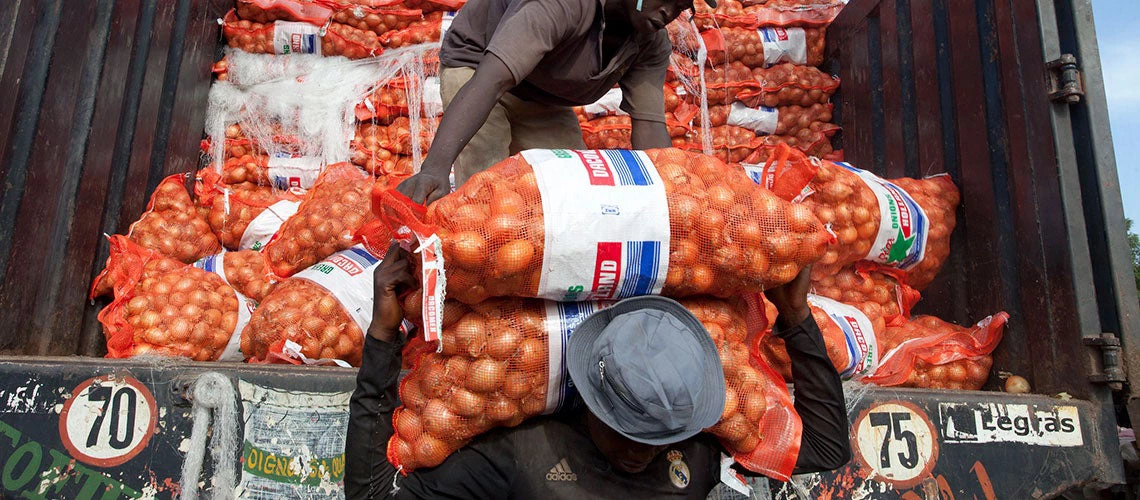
column 1111, row 371
column 1064, row 80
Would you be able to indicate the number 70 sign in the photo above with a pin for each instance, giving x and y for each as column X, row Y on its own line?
column 108, row 420
column 896, row 442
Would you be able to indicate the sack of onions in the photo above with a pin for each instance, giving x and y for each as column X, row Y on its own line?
column 173, row 225
column 764, row 47
column 288, row 37
column 867, row 282
column 325, row 220
column 930, row 353
column 495, row 370
column 246, row 271
column 165, row 307
column 318, row 316
column 850, row 332
column 629, row 223
column 244, row 216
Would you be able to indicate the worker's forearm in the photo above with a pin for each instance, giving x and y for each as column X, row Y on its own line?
column 367, row 471
column 646, row 134
column 818, row 399
column 467, row 112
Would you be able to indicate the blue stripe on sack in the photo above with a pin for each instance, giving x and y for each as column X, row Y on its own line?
column 642, row 259
column 629, row 167
column 361, row 256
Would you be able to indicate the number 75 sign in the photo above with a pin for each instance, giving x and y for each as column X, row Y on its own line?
column 896, row 442
column 108, row 420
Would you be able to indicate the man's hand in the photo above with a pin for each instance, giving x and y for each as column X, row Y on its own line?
column 790, row 299
column 427, row 186
column 392, row 276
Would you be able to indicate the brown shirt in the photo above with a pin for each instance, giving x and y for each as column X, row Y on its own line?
column 553, row 48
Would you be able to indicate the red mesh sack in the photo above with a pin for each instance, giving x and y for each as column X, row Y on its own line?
column 724, row 234
column 318, row 316
column 785, row 120
column 806, row 13
column 425, row 30
column 286, row 37
column 866, row 282
column 933, row 354
column 495, row 370
column 759, row 48
column 378, row 20
column 850, row 331
column 244, row 216
column 168, row 308
column 787, row 84
column 268, row 11
column 325, row 221
column 246, row 271
column 855, row 204
column 172, row 225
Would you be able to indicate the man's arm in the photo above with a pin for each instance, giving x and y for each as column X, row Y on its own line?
column 819, row 401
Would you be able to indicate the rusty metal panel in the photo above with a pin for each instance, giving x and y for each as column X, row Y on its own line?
column 101, row 99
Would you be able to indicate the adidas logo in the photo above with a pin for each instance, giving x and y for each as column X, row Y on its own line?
column 561, row 472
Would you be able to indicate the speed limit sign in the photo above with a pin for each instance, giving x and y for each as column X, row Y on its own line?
column 108, row 420
column 896, row 442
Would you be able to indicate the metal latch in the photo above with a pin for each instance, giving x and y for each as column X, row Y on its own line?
column 1112, row 373
column 1064, row 80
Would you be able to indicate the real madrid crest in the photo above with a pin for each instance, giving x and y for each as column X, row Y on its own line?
column 678, row 469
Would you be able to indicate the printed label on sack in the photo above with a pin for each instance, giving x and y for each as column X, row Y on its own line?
column 608, row 105
column 607, row 224
column 286, row 172
column 296, row 38
column 862, row 345
column 262, row 228
column 432, row 99
column 784, row 45
column 903, row 226
column 347, row 275
column 561, row 320
column 762, row 120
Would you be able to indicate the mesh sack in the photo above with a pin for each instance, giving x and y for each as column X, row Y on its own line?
column 867, row 282
column 287, row 37
column 246, row 271
column 165, row 307
column 268, row 11
column 722, row 233
column 855, row 204
column 785, row 120
column 930, row 353
column 760, row 48
column 426, row 30
column 787, row 84
column 501, row 363
column 325, row 220
column 172, row 225
column 813, row 13
column 244, row 216
column 378, row 20
column 850, row 332
column 318, row 316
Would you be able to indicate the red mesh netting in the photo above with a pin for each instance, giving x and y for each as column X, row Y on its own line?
column 165, row 307
column 867, row 282
column 325, row 221
column 726, row 234
column 930, row 353
column 494, row 371
column 747, row 46
column 172, row 225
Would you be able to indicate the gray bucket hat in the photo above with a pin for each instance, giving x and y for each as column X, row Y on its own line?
column 648, row 369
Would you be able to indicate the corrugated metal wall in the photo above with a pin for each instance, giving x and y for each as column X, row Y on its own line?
column 99, row 100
